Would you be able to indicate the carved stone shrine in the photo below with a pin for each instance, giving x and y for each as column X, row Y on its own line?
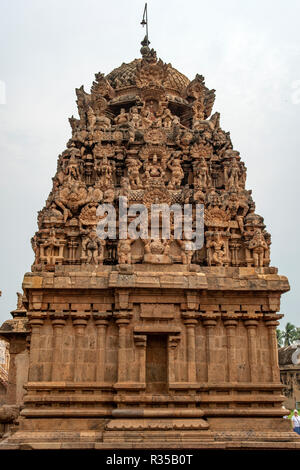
column 146, row 343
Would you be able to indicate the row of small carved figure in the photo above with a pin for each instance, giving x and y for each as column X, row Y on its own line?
column 95, row 114
column 153, row 171
column 221, row 250
column 206, row 135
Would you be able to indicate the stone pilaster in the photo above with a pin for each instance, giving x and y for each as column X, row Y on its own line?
column 58, row 324
column 122, row 320
column 251, row 325
column 209, row 322
column 35, row 369
column 101, row 325
column 272, row 323
column 190, row 323
column 141, row 343
column 230, row 323
column 172, row 345
column 79, row 325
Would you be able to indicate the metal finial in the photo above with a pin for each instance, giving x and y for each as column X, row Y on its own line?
column 144, row 22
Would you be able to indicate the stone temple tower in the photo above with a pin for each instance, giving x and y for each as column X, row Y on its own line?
column 147, row 342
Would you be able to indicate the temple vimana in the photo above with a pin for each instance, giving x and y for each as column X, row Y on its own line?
column 145, row 343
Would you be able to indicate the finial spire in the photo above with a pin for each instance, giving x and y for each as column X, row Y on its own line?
column 144, row 22
column 147, row 54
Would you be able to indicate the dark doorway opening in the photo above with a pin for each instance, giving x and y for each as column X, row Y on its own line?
column 157, row 363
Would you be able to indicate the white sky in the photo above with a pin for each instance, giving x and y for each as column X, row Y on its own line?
column 248, row 50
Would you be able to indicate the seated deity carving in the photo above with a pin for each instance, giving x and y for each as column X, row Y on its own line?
column 122, row 118
column 216, row 250
column 154, row 171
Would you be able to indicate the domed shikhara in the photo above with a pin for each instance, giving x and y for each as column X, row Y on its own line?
column 145, row 131
column 125, row 77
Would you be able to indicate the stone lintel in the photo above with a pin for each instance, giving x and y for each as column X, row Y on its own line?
column 167, row 329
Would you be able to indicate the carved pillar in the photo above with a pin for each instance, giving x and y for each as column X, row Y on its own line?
column 72, row 246
column 251, row 326
column 123, row 320
column 58, row 324
column 101, row 325
column 209, row 322
column 35, row 368
column 271, row 325
column 141, row 343
column 79, row 324
column 230, row 325
column 190, row 323
column 172, row 345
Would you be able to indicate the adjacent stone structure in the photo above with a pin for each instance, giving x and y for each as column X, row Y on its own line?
column 4, row 365
column 145, row 343
column 289, row 363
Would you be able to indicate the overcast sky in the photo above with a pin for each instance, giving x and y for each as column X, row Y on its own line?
column 248, row 50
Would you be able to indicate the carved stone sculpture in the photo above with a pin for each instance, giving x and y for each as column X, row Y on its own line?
column 127, row 343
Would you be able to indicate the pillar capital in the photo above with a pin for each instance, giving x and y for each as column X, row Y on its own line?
column 251, row 323
column 230, row 322
column 80, row 319
column 58, row 323
column 58, row 319
column 36, row 322
column 36, row 318
column 122, row 317
column 209, row 323
column 189, row 318
column 101, row 318
column 272, row 323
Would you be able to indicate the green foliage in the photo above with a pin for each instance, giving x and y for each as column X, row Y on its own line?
column 287, row 336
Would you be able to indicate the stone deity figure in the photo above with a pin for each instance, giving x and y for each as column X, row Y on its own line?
column 50, row 247
column 186, row 250
column 237, row 206
column 135, row 119
column 91, row 118
column 146, row 118
column 259, row 247
column 83, row 100
column 133, row 167
column 92, row 248
column 202, row 179
column 124, row 251
column 105, row 171
column 217, row 250
column 154, row 171
column 177, row 173
column 122, row 118
column 234, row 179
column 72, row 171
column 167, row 118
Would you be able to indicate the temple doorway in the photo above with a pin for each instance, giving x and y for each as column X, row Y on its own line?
column 157, row 363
